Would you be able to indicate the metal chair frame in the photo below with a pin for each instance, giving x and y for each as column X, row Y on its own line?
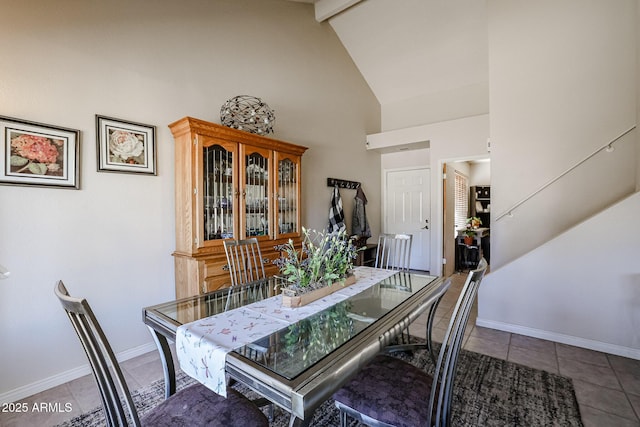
column 439, row 409
column 405, row 342
column 447, row 363
column 244, row 259
column 114, row 392
column 394, row 251
column 101, row 357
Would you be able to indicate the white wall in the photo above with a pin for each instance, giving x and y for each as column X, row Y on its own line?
column 563, row 83
column 112, row 240
column 426, row 61
column 449, row 140
column 570, row 291
column 480, row 173
column 406, row 159
column 455, row 103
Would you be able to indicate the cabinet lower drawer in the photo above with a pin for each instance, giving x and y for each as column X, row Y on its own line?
column 210, row 272
column 214, row 283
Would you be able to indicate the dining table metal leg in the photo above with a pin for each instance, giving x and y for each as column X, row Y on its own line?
column 298, row 422
column 428, row 344
column 167, row 363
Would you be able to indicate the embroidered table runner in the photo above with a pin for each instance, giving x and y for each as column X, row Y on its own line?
column 202, row 345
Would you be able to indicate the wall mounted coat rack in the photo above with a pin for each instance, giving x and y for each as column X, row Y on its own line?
column 343, row 183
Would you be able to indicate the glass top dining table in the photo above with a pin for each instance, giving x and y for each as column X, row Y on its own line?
column 301, row 365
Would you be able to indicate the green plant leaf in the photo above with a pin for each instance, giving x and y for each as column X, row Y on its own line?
column 18, row 161
column 38, row 168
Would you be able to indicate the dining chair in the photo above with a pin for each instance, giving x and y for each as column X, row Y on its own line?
column 391, row 392
column 244, row 260
column 394, row 251
column 404, row 342
column 195, row 405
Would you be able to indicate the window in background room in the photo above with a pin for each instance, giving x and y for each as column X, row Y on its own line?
column 461, row 200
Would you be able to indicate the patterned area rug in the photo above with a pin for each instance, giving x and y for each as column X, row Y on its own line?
column 489, row 392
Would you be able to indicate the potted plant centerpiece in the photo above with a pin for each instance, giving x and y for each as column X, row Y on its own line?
column 325, row 259
column 470, row 232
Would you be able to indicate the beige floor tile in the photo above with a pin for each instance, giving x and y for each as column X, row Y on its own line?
column 437, row 334
column 624, row 364
column 630, row 382
column 531, row 343
column 594, row 374
column 48, row 408
column 85, row 391
column 418, row 330
column 144, row 373
column 635, row 403
column 143, row 359
column 605, row 399
column 592, row 417
column 489, row 348
column 582, row 354
column 492, row 335
column 534, row 359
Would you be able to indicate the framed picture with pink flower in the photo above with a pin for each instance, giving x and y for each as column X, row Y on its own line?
column 125, row 146
column 37, row 154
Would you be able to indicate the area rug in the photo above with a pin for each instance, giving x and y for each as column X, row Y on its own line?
column 489, row 392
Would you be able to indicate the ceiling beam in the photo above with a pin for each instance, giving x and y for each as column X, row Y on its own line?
column 326, row 9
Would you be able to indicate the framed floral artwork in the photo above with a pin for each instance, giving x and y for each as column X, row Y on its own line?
column 125, row 146
column 37, row 154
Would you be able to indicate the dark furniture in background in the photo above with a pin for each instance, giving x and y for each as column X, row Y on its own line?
column 367, row 256
column 480, row 203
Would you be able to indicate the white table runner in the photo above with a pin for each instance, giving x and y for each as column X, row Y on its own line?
column 202, row 346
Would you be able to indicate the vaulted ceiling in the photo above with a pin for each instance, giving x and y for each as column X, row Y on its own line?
column 410, row 48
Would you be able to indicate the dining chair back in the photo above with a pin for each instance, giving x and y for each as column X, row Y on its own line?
column 404, row 341
column 244, row 260
column 394, row 251
column 111, row 385
column 193, row 405
column 392, row 392
column 442, row 387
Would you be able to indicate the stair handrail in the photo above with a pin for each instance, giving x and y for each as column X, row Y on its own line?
column 607, row 146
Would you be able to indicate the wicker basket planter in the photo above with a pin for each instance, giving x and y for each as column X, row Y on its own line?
column 290, row 299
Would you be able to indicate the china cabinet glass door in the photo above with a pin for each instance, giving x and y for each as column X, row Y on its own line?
column 287, row 191
column 218, row 192
column 256, row 191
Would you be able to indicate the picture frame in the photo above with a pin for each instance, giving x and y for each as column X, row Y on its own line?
column 38, row 154
column 125, row 146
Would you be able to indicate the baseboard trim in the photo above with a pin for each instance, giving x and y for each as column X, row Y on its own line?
column 66, row 376
column 632, row 353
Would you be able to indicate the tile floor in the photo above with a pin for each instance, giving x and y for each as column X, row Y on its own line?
column 607, row 386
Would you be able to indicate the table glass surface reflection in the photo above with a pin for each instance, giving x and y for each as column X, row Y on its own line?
column 291, row 350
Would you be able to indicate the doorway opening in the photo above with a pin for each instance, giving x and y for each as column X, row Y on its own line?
column 466, row 190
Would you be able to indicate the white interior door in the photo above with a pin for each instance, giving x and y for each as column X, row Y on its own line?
column 407, row 209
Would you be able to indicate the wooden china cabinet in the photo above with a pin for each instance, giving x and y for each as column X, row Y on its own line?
column 230, row 184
